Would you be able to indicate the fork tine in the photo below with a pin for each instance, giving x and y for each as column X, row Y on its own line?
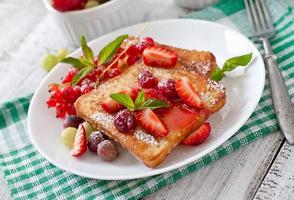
column 267, row 15
column 260, row 14
column 254, row 14
column 249, row 14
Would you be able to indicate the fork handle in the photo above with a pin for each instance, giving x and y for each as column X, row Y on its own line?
column 282, row 103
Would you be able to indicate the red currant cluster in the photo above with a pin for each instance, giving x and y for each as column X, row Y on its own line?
column 63, row 96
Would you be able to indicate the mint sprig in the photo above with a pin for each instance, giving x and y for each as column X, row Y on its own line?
column 139, row 103
column 86, row 63
column 232, row 63
column 107, row 53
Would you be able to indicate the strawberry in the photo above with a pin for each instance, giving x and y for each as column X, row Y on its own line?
column 159, row 56
column 111, row 106
column 186, row 91
column 198, row 136
column 149, row 121
column 66, row 5
column 80, row 143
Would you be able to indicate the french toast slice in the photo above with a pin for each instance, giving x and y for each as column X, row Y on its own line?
column 179, row 120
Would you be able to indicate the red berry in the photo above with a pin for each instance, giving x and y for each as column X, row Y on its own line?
column 149, row 121
column 57, row 96
column 51, row 102
column 152, row 93
column 159, row 57
column 113, row 72
column 148, row 41
column 86, row 88
column 60, row 110
column 125, row 121
column 187, row 93
column 66, row 5
column 144, row 43
column 66, row 93
column 119, row 50
column 132, row 60
column 69, row 76
column 132, row 51
column 199, row 136
column 80, row 143
column 146, row 79
column 70, row 109
column 167, row 87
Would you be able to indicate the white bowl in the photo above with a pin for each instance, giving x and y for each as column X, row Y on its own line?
column 97, row 21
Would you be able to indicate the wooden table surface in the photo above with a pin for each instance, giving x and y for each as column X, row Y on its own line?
column 261, row 170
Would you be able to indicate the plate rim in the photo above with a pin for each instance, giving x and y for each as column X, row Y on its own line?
column 173, row 166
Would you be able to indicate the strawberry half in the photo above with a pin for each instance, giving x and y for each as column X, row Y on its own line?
column 149, row 121
column 112, row 106
column 80, row 143
column 159, row 57
column 199, row 136
column 186, row 91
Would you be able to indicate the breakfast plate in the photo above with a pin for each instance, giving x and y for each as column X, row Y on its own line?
column 243, row 94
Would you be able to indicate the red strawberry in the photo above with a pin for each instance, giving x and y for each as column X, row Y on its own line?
column 66, row 5
column 80, row 143
column 149, row 121
column 159, row 56
column 112, row 106
column 186, row 91
column 198, row 136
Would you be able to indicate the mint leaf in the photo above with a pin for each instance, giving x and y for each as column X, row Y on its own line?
column 107, row 53
column 75, row 62
column 87, row 63
column 153, row 104
column 125, row 100
column 81, row 74
column 232, row 63
column 235, row 62
column 87, row 51
column 140, row 99
column 217, row 74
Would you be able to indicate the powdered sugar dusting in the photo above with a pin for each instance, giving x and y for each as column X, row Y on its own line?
column 103, row 117
column 215, row 86
column 147, row 138
column 201, row 67
column 207, row 97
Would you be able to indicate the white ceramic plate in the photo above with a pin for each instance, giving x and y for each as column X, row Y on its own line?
column 243, row 94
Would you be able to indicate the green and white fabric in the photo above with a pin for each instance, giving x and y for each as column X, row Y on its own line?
column 30, row 176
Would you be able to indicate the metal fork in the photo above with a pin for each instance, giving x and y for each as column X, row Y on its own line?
column 262, row 26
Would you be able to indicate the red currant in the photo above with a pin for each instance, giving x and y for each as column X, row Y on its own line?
column 132, row 50
column 51, row 102
column 69, row 76
column 60, row 110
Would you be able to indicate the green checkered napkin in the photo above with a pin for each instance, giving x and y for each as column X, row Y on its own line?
column 30, row 176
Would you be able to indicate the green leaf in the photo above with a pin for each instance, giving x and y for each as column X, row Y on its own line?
column 217, row 74
column 124, row 99
column 87, row 63
column 140, row 99
column 235, row 62
column 81, row 74
column 153, row 104
column 74, row 61
column 107, row 53
column 87, row 51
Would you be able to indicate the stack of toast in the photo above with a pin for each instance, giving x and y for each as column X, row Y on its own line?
column 192, row 64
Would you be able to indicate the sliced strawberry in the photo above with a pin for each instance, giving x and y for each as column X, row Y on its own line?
column 159, row 56
column 149, row 121
column 186, row 91
column 112, row 106
column 179, row 117
column 199, row 136
column 80, row 143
